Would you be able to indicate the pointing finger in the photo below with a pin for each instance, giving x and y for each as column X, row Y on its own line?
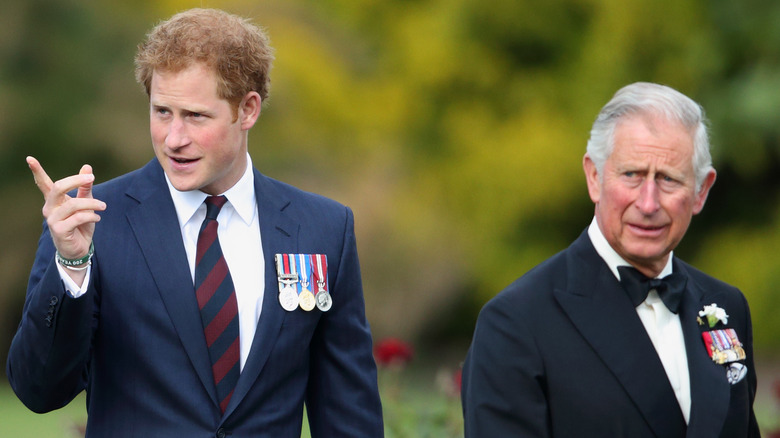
column 40, row 176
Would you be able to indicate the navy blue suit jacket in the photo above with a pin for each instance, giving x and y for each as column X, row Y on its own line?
column 135, row 342
column 561, row 352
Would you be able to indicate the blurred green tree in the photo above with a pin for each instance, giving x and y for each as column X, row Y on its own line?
column 455, row 130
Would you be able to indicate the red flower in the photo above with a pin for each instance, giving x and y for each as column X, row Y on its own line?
column 392, row 351
column 449, row 382
column 458, row 379
column 776, row 390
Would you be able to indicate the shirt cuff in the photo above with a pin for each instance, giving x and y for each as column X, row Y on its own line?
column 74, row 290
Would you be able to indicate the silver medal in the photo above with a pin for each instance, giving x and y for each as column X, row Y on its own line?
column 324, row 301
column 288, row 298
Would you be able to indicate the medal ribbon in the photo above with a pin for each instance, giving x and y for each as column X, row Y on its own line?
column 320, row 261
column 723, row 341
column 305, row 269
column 279, row 267
column 289, row 260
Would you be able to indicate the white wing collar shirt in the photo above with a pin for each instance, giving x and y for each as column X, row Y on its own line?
column 662, row 326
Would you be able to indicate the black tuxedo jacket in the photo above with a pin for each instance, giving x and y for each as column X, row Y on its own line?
column 561, row 352
column 135, row 340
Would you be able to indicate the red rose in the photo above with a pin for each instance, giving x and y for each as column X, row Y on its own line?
column 392, row 351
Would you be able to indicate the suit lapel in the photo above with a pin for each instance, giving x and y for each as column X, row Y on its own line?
column 156, row 228
column 279, row 234
column 602, row 312
column 709, row 386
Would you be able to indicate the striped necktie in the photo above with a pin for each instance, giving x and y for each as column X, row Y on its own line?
column 217, row 302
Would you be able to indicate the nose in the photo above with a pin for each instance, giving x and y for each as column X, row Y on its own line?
column 177, row 135
column 648, row 202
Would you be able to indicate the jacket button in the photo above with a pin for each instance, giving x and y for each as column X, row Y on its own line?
column 53, row 301
column 220, row 433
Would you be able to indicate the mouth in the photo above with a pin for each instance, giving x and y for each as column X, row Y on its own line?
column 182, row 164
column 647, row 230
column 183, row 160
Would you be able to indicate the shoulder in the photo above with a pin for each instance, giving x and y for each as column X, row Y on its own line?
column 706, row 283
column 297, row 198
column 307, row 208
column 531, row 293
column 711, row 290
column 533, row 297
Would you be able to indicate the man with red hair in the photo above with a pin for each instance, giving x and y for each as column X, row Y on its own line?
column 171, row 294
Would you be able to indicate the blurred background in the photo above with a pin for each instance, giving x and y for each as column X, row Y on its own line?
column 455, row 130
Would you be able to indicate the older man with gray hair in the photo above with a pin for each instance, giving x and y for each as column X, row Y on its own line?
column 614, row 336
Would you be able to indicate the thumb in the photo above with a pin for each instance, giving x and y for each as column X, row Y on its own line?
column 85, row 190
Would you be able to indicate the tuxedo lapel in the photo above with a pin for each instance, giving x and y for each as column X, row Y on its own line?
column 156, row 228
column 602, row 312
column 709, row 386
column 279, row 234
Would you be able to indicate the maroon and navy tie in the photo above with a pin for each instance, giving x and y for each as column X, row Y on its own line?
column 217, row 302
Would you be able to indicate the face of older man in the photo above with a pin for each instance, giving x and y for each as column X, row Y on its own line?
column 646, row 193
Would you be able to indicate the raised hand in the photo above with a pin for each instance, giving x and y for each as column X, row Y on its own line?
column 71, row 220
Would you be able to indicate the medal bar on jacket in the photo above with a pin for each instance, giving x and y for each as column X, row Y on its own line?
column 288, row 296
column 320, row 267
column 305, row 297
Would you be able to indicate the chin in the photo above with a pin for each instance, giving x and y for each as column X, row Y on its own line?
column 182, row 186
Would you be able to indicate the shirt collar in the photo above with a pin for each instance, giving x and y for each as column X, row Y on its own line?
column 611, row 257
column 241, row 196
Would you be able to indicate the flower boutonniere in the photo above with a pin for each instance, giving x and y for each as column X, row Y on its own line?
column 713, row 314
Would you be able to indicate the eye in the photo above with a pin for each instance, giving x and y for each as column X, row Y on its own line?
column 667, row 182
column 196, row 115
column 631, row 175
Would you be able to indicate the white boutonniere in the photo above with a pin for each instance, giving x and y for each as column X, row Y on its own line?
column 714, row 314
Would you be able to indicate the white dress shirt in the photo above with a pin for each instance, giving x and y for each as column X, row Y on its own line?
column 662, row 326
column 239, row 237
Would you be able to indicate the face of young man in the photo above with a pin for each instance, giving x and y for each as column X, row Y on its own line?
column 647, row 194
column 199, row 142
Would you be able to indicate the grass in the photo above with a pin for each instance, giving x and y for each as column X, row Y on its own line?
column 411, row 409
column 421, row 413
column 19, row 421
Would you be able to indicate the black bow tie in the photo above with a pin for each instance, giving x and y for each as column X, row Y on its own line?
column 669, row 288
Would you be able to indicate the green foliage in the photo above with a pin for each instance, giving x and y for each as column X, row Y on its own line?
column 455, row 130
column 67, row 422
column 420, row 409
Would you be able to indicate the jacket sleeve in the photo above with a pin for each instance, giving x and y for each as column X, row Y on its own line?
column 753, row 430
column 342, row 396
column 49, row 355
column 503, row 378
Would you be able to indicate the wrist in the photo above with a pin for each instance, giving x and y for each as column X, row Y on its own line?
column 78, row 264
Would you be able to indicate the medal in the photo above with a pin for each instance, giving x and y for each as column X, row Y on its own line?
column 285, row 271
column 305, row 297
column 306, row 300
column 724, row 346
column 735, row 372
column 323, row 299
column 288, row 298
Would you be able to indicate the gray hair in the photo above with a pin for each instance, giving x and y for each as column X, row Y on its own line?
column 644, row 98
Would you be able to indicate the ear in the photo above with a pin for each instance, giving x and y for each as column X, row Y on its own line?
column 701, row 195
column 592, row 178
column 249, row 110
